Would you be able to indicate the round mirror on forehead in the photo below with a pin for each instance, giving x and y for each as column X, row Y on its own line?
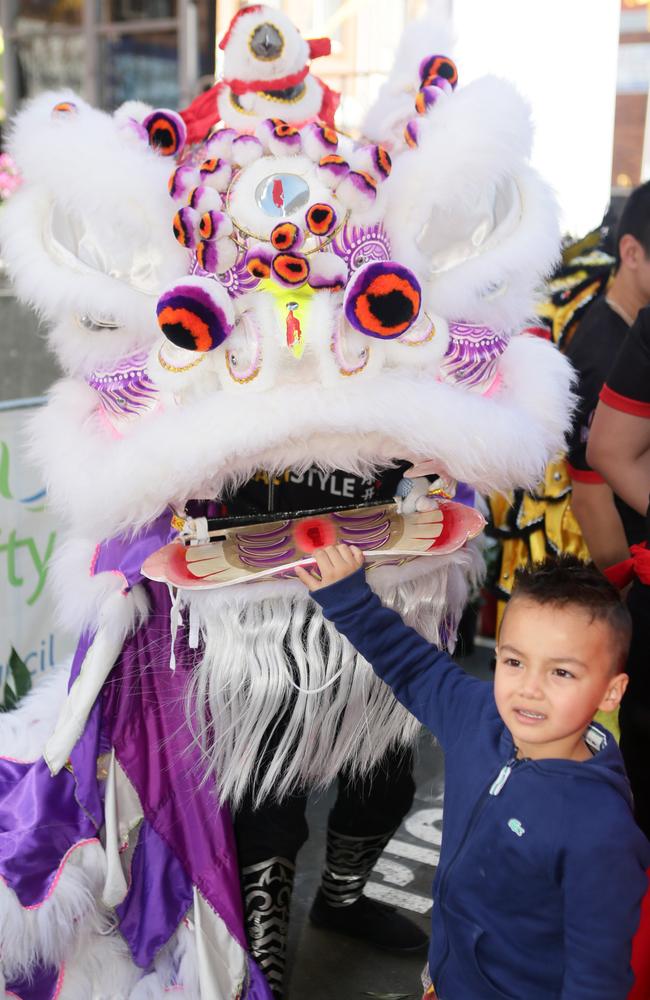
column 280, row 195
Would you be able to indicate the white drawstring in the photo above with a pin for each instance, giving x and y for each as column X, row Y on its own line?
column 175, row 621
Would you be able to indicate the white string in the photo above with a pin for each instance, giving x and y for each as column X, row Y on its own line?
column 175, row 621
column 194, row 627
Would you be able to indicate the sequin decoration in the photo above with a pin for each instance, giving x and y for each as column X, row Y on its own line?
column 125, row 390
column 359, row 245
column 472, row 357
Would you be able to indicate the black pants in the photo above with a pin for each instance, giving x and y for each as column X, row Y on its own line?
column 364, row 807
column 634, row 715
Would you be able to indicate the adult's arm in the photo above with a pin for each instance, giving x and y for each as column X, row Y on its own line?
column 619, row 449
column 600, row 522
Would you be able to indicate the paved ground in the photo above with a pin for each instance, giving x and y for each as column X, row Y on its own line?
column 324, row 966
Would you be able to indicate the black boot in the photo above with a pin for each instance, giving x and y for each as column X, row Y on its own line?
column 341, row 906
column 266, row 888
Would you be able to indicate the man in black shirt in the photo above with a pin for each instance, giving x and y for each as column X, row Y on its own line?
column 609, row 526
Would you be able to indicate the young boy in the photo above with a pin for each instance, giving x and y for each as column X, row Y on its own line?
column 542, row 867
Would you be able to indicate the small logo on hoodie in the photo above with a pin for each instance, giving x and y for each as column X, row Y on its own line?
column 516, row 827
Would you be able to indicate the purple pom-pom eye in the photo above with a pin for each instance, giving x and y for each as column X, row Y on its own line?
column 214, row 225
column 258, row 261
column 319, row 140
column 383, row 300
column 166, row 130
column 280, row 137
column 332, row 168
column 436, row 66
column 182, row 180
column 186, row 227
column 426, row 98
column 412, row 133
column 207, row 256
column 246, row 149
column 219, row 142
column 196, row 315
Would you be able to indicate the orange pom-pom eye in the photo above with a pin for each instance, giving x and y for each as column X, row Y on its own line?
column 320, row 219
column 282, row 129
column 193, row 317
column 197, row 332
column 64, row 108
column 383, row 161
column 383, row 300
column 259, row 267
column 290, row 269
column 167, row 132
column 184, row 227
column 285, row 236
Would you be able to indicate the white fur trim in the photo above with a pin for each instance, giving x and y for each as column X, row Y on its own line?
column 215, row 443
column 80, row 596
column 48, row 932
column 477, row 143
column 69, row 164
column 25, row 730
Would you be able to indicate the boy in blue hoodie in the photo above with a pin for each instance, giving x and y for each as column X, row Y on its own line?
column 542, row 867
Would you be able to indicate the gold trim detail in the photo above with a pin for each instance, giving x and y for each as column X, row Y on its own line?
column 179, row 368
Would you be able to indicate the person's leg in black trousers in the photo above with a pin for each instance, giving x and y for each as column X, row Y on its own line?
column 365, row 815
column 367, row 812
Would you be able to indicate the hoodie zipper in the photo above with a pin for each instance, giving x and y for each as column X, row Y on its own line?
column 491, row 791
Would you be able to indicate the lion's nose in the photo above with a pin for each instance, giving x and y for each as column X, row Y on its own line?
column 383, row 299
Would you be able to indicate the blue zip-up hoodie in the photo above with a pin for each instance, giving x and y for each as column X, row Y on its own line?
column 542, row 867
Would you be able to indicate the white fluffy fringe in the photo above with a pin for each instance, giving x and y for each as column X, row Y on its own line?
column 105, row 486
column 256, row 653
column 176, row 963
column 25, row 731
column 48, row 933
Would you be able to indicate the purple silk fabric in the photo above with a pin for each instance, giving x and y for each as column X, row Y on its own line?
column 186, row 838
column 42, row 984
column 143, row 713
column 40, row 820
column 465, row 494
column 125, row 554
column 159, row 896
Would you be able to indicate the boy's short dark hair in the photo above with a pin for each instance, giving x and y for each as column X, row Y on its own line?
column 566, row 581
column 635, row 219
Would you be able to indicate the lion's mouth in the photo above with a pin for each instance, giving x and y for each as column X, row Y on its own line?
column 214, row 526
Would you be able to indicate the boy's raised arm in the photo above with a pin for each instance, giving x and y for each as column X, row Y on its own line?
column 423, row 678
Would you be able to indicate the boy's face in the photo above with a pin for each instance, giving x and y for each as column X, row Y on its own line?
column 555, row 669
